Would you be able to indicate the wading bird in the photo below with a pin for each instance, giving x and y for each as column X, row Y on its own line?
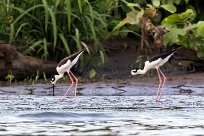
column 64, row 66
column 154, row 63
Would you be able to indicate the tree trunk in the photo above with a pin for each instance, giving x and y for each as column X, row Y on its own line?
column 21, row 66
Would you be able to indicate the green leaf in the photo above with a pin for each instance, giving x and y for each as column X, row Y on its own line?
column 170, row 8
column 156, row 3
column 19, row 28
column 120, row 24
column 32, row 47
column 134, row 17
column 45, row 54
column 172, row 19
column 27, row 13
column 133, row 5
column 102, row 56
column 92, row 28
column 80, row 6
column 187, row 15
column 69, row 13
column 46, row 13
column 92, row 73
column 54, row 26
column 200, row 29
column 77, row 39
column 172, row 36
column 64, row 41
column 11, row 35
column 180, row 18
column 200, row 52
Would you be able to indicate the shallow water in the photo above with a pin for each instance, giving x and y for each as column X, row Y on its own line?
column 178, row 113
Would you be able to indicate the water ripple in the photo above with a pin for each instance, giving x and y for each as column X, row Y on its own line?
column 101, row 115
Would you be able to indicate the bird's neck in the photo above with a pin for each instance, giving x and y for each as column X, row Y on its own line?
column 145, row 69
column 57, row 77
column 142, row 71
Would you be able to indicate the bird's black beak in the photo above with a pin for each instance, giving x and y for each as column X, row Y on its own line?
column 53, row 90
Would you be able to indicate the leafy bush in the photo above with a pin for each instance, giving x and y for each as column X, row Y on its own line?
column 55, row 28
column 181, row 27
column 182, row 31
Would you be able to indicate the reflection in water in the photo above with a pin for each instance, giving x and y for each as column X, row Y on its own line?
column 97, row 115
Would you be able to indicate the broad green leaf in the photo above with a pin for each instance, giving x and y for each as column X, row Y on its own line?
column 134, row 17
column 156, row 3
column 54, row 26
column 64, row 41
column 172, row 36
column 187, row 15
column 133, row 5
column 172, row 19
column 200, row 29
column 180, row 18
column 92, row 73
column 170, row 8
column 177, row 2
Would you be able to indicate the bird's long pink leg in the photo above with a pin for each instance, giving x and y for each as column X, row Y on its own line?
column 69, row 87
column 160, row 82
column 164, row 81
column 76, row 83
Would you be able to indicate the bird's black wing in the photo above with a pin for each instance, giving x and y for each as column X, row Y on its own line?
column 162, row 56
column 71, row 57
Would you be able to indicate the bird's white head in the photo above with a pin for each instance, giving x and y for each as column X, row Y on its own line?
column 137, row 72
column 134, row 72
column 54, row 79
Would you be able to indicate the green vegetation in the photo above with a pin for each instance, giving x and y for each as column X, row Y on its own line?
column 53, row 29
column 56, row 26
column 181, row 27
column 10, row 77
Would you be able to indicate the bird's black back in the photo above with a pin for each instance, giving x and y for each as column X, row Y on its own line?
column 71, row 57
column 162, row 56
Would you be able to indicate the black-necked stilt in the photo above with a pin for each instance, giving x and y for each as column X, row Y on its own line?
column 64, row 66
column 154, row 63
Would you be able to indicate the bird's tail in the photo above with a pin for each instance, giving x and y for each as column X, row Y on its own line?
column 85, row 47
